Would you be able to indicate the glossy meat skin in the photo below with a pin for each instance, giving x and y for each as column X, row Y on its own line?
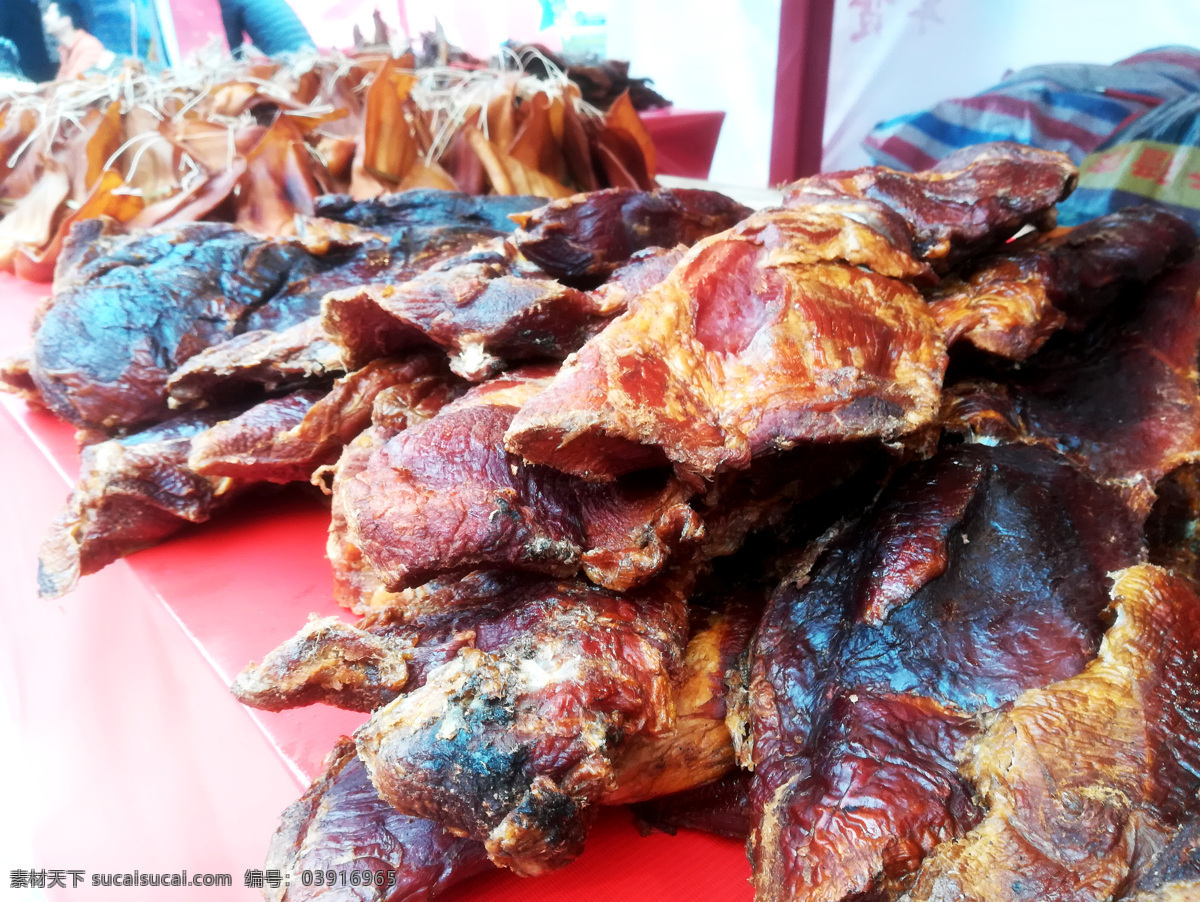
column 1173, row 526
column 366, row 665
column 973, row 199
column 285, row 439
column 1080, row 775
column 700, row 749
column 132, row 493
column 631, row 280
column 355, row 584
column 15, row 379
column 341, row 821
column 386, row 654
column 140, row 305
column 763, row 337
column 720, row 807
column 580, row 240
column 1122, row 399
column 426, row 208
column 340, row 824
column 1174, row 873
column 444, row 497
column 261, row 359
column 134, row 308
column 1012, row 302
column 513, row 747
column 978, row 575
column 485, row 307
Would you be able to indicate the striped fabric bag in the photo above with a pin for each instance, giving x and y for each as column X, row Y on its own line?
column 1067, row 107
column 1155, row 159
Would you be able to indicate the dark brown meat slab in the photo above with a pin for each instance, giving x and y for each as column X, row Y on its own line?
column 514, row 746
column 720, row 807
column 444, row 497
column 580, row 240
column 340, row 824
column 132, row 493
column 355, row 584
column 1010, row 303
column 763, row 337
column 971, row 200
column 485, row 307
column 1173, row 875
column 1173, row 526
column 259, row 359
column 1080, row 777
column 366, row 665
column 980, row 574
column 1122, row 399
column 134, row 310
column 129, row 310
column 16, row 379
column 426, row 209
column 286, row 439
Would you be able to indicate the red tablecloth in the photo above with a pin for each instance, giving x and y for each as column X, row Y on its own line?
column 139, row 757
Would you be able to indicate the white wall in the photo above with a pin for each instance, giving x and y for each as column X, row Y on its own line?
column 891, row 57
column 709, row 55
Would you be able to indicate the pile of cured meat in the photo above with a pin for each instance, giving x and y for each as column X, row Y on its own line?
column 256, row 142
column 863, row 528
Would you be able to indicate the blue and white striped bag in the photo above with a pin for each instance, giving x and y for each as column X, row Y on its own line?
column 1068, row 107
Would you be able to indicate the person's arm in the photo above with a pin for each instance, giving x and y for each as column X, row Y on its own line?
column 274, row 27
column 234, row 21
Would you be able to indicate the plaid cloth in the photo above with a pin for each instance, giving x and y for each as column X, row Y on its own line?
column 1067, row 107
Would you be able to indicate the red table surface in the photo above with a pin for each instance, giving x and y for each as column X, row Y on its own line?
column 142, row 760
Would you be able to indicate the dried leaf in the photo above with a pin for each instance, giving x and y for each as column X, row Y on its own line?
column 194, row 204
column 307, row 124
column 152, row 165
column 622, row 160
column 461, row 161
column 501, row 117
column 338, row 154
column 428, row 176
column 278, row 181
column 576, row 148
column 420, row 124
column 510, row 176
column 15, row 128
column 534, row 146
column 623, row 118
column 32, row 219
column 364, row 185
column 232, row 99
column 389, row 147
column 108, row 198
column 105, row 141
column 308, row 85
column 210, row 144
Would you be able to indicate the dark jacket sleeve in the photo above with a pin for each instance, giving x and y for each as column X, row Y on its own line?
column 231, row 18
column 21, row 23
column 273, row 27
